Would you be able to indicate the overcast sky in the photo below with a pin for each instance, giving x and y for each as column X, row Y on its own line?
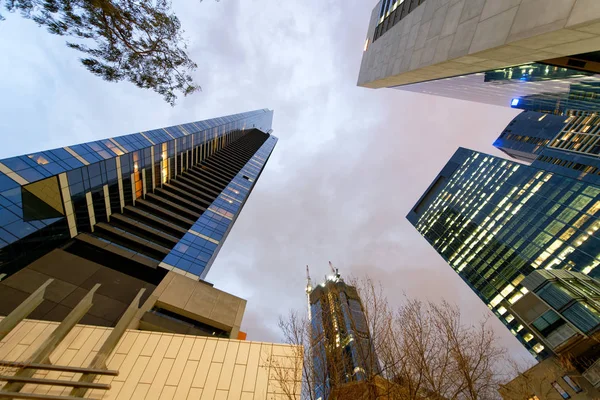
column 349, row 165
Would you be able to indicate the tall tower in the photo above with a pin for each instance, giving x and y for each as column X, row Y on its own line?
column 342, row 347
column 125, row 211
column 503, row 53
column 495, row 221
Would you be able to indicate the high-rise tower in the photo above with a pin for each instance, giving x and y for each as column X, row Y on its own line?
column 342, row 349
column 566, row 145
column 495, row 221
column 526, row 54
column 125, row 211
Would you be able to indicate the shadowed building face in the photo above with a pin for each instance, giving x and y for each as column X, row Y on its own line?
column 125, row 211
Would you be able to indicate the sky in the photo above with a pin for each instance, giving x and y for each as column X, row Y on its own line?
column 349, row 165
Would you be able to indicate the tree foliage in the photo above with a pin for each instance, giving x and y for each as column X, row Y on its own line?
column 136, row 40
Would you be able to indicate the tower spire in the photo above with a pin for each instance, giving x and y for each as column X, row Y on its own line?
column 308, row 292
column 308, row 281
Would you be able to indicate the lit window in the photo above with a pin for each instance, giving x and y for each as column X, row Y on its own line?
column 509, row 318
column 528, row 337
column 501, row 310
column 496, row 300
column 538, row 348
column 572, row 384
column 507, row 290
column 516, row 297
column 563, row 393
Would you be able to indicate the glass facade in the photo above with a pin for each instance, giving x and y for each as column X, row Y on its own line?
column 341, row 343
column 580, row 96
column 495, row 221
column 391, row 12
column 564, row 144
column 49, row 197
column 200, row 245
column 531, row 86
column 528, row 134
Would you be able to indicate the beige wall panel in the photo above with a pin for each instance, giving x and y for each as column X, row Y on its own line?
column 131, row 358
column 262, row 375
column 220, row 351
column 187, row 376
column 159, row 380
column 228, row 364
column 133, row 378
column 151, row 345
column 126, row 342
column 235, row 390
column 140, row 391
column 197, row 349
column 210, row 387
column 202, row 371
column 252, row 368
column 180, row 361
column 242, row 355
column 168, row 393
column 194, row 394
column 221, row 395
column 153, row 365
column 174, row 346
column 156, row 358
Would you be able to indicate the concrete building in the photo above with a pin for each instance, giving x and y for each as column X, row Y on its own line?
column 126, row 212
column 562, row 310
column 548, row 380
column 490, row 51
column 67, row 360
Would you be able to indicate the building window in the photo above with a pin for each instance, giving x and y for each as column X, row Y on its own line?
column 576, row 388
column 563, row 393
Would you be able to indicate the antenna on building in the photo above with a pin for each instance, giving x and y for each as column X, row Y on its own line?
column 335, row 272
column 308, row 281
column 308, row 292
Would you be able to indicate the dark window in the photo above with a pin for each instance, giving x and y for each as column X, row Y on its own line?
column 548, row 323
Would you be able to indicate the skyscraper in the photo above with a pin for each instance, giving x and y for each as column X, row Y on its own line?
column 125, row 211
column 566, row 145
column 342, row 349
column 494, row 52
column 495, row 221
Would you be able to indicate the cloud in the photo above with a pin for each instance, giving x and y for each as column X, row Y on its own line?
column 349, row 165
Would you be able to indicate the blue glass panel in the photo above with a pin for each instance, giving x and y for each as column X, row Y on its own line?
column 7, row 237
column 6, row 183
column 20, row 229
column 13, row 195
column 7, row 217
column 16, row 163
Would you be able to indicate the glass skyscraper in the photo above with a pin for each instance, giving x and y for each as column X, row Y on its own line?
column 342, row 349
column 495, row 221
column 564, row 144
column 125, row 210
